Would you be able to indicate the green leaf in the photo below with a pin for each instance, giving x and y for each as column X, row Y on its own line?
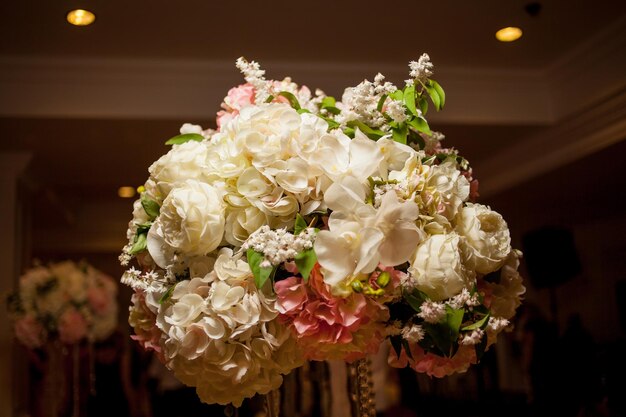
column 409, row 99
column 269, row 99
column 397, row 95
column 416, row 138
column 328, row 101
column 177, row 140
column 144, row 227
column 440, row 92
column 167, row 294
column 305, row 261
column 139, row 245
column 399, row 134
column 423, row 104
column 374, row 134
column 381, row 102
column 396, row 343
column 293, row 101
column 329, row 104
column 480, row 324
column 454, row 318
column 300, row 111
column 420, row 124
column 300, row 225
column 333, row 110
column 415, row 299
column 261, row 275
column 150, row 206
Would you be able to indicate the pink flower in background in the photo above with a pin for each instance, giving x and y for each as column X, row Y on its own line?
column 327, row 326
column 29, row 331
column 72, row 326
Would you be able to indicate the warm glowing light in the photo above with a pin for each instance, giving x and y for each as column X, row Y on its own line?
column 509, row 34
column 80, row 17
column 126, row 192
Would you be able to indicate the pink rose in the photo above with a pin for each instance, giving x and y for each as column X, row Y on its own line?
column 72, row 326
column 29, row 332
column 327, row 326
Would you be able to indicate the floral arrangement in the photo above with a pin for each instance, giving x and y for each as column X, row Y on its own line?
column 310, row 228
column 65, row 302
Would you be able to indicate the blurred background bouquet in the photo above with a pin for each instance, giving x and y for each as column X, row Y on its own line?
column 63, row 301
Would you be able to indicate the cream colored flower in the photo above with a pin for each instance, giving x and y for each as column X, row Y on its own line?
column 439, row 268
column 191, row 223
column 486, row 233
column 183, row 162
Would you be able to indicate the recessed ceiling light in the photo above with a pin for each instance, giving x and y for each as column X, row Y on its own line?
column 509, row 34
column 126, row 192
column 80, row 17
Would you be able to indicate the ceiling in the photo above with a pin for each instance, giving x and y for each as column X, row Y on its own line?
column 454, row 32
column 79, row 159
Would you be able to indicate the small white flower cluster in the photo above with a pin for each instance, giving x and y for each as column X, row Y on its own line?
column 255, row 76
column 472, row 338
column 413, row 333
column 125, row 257
column 421, row 70
column 400, row 188
column 361, row 102
column 432, row 311
column 497, row 324
column 279, row 246
column 395, row 110
column 149, row 281
column 464, row 298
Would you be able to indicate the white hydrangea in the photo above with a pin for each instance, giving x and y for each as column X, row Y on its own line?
column 222, row 335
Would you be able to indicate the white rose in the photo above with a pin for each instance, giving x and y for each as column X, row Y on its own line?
column 190, row 223
column 438, row 267
column 486, row 233
column 182, row 162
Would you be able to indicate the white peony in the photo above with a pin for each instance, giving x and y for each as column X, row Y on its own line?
column 486, row 233
column 439, row 268
column 183, row 162
column 191, row 223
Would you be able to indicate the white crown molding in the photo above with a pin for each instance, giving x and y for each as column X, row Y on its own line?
column 192, row 90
